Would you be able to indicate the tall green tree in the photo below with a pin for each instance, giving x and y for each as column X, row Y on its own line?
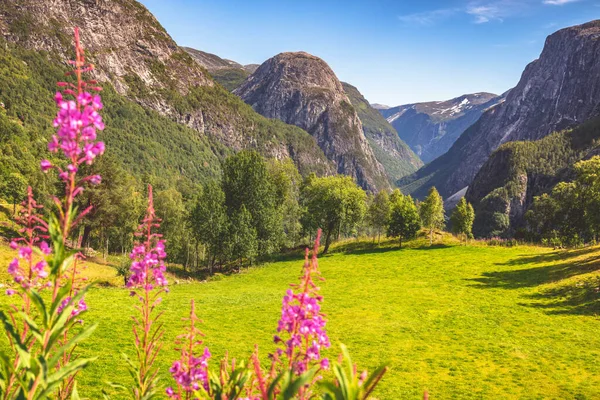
column 379, row 213
column 287, row 182
column 432, row 212
column 209, row 223
column 246, row 182
column 242, row 240
column 170, row 208
column 335, row 204
column 404, row 222
column 462, row 219
column 14, row 188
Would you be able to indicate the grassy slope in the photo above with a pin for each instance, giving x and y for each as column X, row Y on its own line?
column 462, row 322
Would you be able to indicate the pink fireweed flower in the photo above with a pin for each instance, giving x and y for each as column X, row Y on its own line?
column 25, row 271
column 80, row 307
column 302, row 321
column 148, row 266
column 190, row 372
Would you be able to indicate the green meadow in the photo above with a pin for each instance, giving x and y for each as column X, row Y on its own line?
column 459, row 321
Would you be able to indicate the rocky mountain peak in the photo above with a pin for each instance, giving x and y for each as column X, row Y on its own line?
column 559, row 90
column 122, row 38
column 301, row 89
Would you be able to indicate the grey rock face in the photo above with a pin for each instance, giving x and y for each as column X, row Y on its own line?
column 431, row 128
column 133, row 52
column 302, row 90
column 559, row 90
column 124, row 40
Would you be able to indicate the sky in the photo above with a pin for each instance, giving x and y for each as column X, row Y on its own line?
column 395, row 52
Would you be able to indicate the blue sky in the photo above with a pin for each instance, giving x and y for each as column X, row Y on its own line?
column 394, row 51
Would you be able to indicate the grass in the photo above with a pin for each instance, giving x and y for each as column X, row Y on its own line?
column 460, row 321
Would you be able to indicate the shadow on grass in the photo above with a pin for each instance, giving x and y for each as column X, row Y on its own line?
column 531, row 277
column 550, row 257
column 580, row 298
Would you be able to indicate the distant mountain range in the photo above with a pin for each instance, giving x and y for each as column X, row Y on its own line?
column 431, row 128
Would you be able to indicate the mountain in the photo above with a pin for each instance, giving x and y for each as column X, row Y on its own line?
column 380, row 106
column 301, row 89
column 431, row 128
column 229, row 74
column 395, row 156
column 560, row 90
column 504, row 188
column 139, row 64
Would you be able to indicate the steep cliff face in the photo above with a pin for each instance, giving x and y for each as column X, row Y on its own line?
column 559, row 90
column 395, row 155
column 302, row 90
column 431, row 128
column 134, row 53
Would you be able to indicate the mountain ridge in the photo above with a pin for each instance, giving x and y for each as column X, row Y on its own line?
column 301, row 89
column 430, row 128
column 548, row 98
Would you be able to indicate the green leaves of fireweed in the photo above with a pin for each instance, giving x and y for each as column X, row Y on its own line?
column 39, row 365
column 349, row 385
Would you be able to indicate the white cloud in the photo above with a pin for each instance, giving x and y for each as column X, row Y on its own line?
column 427, row 18
column 497, row 10
column 558, row 2
column 485, row 13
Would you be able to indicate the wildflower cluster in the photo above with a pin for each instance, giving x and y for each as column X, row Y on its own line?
column 78, row 121
column 25, row 271
column 190, row 372
column 302, row 320
column 148, row 266
column 147, row 273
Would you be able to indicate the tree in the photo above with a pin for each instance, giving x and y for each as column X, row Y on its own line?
column 462, row 219
column 15, row 188
column 404, row 220
column 117, row 205
column 335, row 204
column 170, row 208
column 379, row 213
column 209, row 223
column 242, row 239
column 432, row 212
column 246, row 182
column 287, row 181
column 569, row 214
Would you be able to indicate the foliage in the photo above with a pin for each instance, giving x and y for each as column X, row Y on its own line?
column 462, row 219
column 432, row 212
column 246, row 183
column 379, row 213
column 569, row 214
column 404, row 222
column 335, row 204
column 229, row 78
